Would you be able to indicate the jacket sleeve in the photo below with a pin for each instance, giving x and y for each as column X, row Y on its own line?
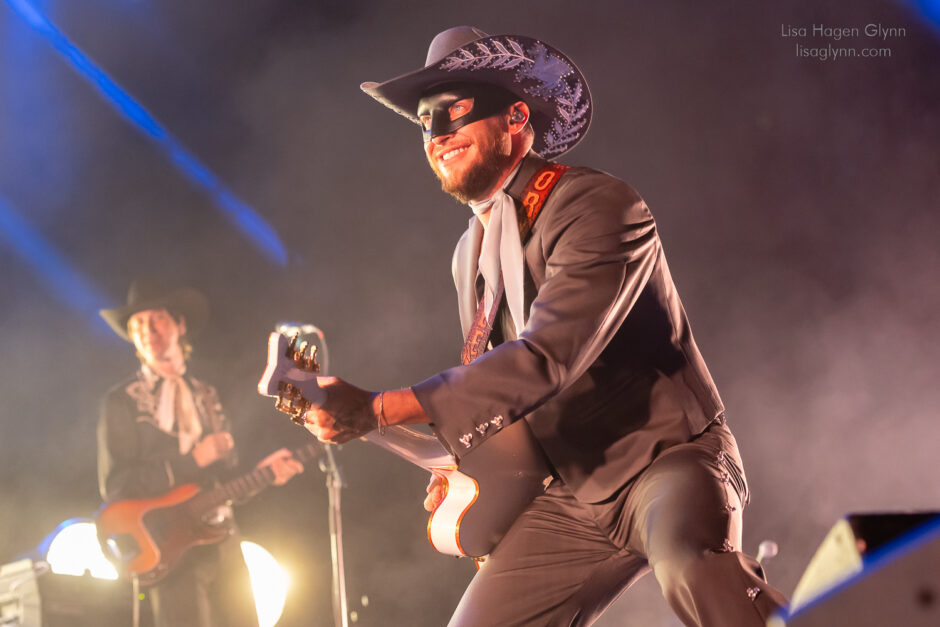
column 600, row 247
column 123, row 470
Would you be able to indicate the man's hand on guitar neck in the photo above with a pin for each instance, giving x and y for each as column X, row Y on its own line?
column 350, row 412
column 283, row 464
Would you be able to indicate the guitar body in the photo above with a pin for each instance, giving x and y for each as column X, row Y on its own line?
column 146, row 537
column 487, row 491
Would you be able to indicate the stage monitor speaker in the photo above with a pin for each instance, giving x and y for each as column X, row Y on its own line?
column 19, row 595
column 31, row 595
column 868, row 572
column 842, row 552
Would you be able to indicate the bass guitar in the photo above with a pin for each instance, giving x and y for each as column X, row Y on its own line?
column 484, row 491
column 147, row 537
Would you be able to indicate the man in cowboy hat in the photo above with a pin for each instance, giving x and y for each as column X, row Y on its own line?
column 162, row 428
column 573, row 325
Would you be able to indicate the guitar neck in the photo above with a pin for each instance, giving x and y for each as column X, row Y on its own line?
column 249, row 484
column 421, row 449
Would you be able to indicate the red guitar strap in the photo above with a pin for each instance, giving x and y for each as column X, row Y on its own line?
column 533, row 198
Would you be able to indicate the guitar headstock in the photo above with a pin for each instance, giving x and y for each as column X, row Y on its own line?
column 291, row 376
column 303, row 356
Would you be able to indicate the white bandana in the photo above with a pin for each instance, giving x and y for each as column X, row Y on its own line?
column 501, row 251
column 177, row 407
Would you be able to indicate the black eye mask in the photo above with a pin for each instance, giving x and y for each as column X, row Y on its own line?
column 487, row 100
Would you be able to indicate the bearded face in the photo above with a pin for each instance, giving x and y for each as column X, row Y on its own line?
column 471, row 162
column 467, row 140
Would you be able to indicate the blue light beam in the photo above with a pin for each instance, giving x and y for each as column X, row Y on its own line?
column 239, row 213
column 51, row 266
column 930, row 9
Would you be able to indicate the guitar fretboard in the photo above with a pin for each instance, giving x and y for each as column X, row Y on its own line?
column 246, row 486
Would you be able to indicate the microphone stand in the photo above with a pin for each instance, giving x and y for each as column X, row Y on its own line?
column 334, row 485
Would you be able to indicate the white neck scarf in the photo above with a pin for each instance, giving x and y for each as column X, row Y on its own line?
column 501, row 251
column 176, row 406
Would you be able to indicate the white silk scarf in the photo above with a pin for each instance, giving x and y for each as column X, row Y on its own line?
column 501, row 253
column 176, row 406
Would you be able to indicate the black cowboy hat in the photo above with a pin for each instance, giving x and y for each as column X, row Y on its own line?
column 542, row 76
column 147, row 293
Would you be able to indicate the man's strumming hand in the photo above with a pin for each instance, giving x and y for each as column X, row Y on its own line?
column 212, row 448
column 435, row 492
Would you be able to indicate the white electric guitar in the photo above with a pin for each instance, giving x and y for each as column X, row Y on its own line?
column 484, row 492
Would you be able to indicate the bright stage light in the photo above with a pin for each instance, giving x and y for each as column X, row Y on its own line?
column 269, row 583
column 73, row 549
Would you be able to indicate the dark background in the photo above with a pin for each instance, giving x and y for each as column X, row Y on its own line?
column 797, row 200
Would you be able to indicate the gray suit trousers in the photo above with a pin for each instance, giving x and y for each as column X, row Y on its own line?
column 564, row 562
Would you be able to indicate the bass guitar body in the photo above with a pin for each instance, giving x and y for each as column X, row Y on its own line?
column 146, row 537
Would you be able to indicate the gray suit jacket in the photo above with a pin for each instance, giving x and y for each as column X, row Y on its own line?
column 605, row 371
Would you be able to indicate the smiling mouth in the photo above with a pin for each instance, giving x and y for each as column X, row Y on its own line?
column 450, row 154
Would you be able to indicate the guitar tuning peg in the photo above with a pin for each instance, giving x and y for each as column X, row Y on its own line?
column 298, row 355
column 292, row 344
column 290, row 401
